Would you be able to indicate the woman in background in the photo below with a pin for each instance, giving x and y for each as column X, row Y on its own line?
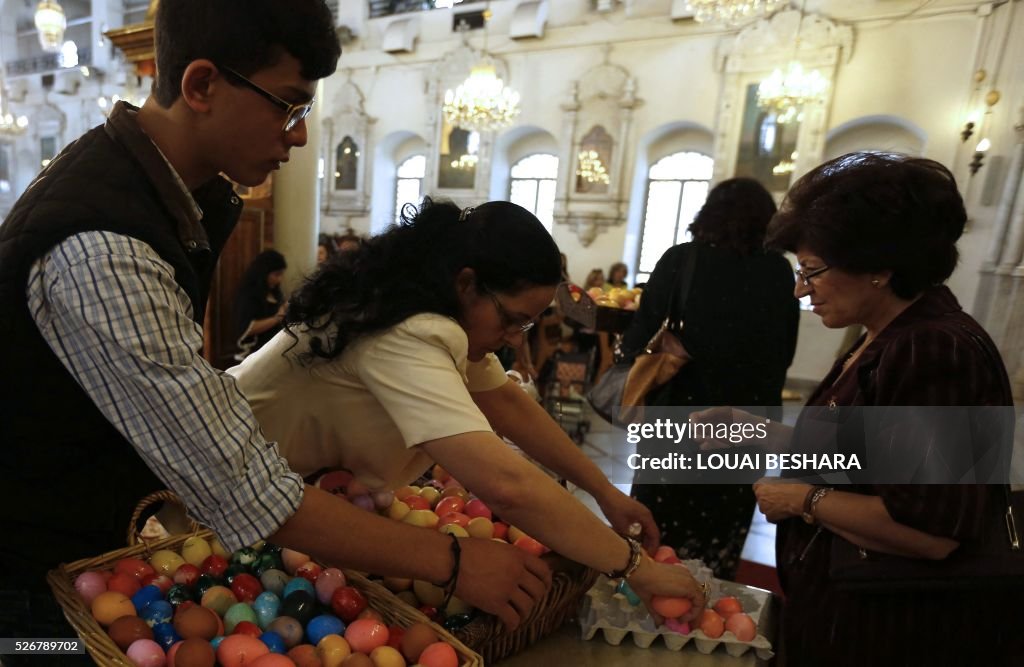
column 617, row 275
column 259, row 303
column 741, row 323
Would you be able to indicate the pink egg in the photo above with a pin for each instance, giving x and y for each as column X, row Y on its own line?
column 364, row 502
column 742, row 626
column 439, row 654
column 293, row 559
column 365, row 634
column 675, row 625
column 383, row 499
column 329, row 581
column 475, row 508
column 240, row 651
column 146, row 653
column 89, row 585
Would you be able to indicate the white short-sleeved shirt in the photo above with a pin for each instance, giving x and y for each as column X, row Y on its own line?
column 367, row 409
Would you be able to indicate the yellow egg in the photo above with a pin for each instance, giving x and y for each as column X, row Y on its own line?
column 514, row 534
column 218, row 548
column 454, row 529
column 110, row 606
column 332, row 650
column 258, row 546
column 166, row 562
column 421, row 518
column 457, row 606
column 428, row 593
column 195, row 550
column 398, row 510
column 385, row 656
column 406, row 491
column 430, row 494
column 480, row 526
column 396, row 584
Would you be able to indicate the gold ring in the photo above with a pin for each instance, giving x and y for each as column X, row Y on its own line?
column 706, row 589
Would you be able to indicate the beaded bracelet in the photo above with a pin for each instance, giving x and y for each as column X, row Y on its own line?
column 636, row 553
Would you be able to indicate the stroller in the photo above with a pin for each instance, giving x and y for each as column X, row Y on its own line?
column 564, row 394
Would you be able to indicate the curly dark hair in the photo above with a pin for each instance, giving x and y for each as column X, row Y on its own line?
column 869, row 212
column 411, row 268
column 245, row 36
column 735, row 216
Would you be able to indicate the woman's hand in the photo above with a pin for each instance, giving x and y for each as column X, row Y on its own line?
column 675, row 581
column 501, row 579
column 626, row 514
column 779, row 499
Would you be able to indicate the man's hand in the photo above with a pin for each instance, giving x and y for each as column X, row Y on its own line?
column 501, row 579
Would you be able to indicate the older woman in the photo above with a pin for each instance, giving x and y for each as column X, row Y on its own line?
column 875, row 238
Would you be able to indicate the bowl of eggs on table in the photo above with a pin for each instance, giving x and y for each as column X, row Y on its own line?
column 441, row 504
column 730, row 619
column 258, row 607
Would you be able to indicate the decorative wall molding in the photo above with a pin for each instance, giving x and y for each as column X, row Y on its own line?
column 348, row 119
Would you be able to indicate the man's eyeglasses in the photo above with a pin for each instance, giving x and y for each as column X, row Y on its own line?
column 293, row 112
column 508, row 321
column 805, row 275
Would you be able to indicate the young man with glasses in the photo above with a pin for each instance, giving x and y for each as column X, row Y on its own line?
column 105, row 266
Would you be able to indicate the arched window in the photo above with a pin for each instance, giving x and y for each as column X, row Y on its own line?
column 346, row 161
column 677, row 186
column 533, row 185
column 409, row 186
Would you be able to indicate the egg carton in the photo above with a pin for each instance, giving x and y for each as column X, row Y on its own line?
column 610, row 612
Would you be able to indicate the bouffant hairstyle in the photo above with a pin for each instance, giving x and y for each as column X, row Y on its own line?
column 735, row 216
column 869, row 212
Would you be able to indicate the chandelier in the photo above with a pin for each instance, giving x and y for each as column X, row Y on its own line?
column 482, row 102
column 51, row 22
column 731, row 11
column 590, row 168
column 11, row 126
column 786, row 94
column 465, row 162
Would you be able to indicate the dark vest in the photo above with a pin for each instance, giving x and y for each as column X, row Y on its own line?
column 68, row 479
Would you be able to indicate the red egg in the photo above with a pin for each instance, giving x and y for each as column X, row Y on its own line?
column 365, row 634
column 449, row 504
column 335, row 482
column 247, row 628
column 416, row 502
column 742, row 626
column 500, row 530
column 246, row 587
column 711, row 624
column 728, row 606
column 440, row 654
column 475, row 508
column 670, row 607
column 240, row 650
column 309, row 571
column 135, row 567
column 161, row 581
column 186, row 575
column 530, row 546
column 124, row 583
column 347, row 603
column 457, row 518
column 395, row 634
column 214, row 565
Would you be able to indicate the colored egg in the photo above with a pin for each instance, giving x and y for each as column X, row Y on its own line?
column 240, row 650
column 237, row 613
column 274, row 660
column 728, row 606
column 323, row 625
column 219, row 599
column 439, row 654
column 109, row 606
column 161, row 581
column 476, row 507
column 304, row 655
column 247, row 628
column 214, row 565
column 500, row 530
column 448, row 505
column 197, row 623
column 246, row 587
column 347, row 603
column 742, row 626
column 309, row 571
column 165, row 636
column 371, row 613
column 274, row 580
column 428, row 593
column 358, row 660
column 145, row 595
column 267, row 561
column 421, row 518
column 195, row 550
column 385, row 656
column 288, row 628
column 146, row 653
column 530, row 546
column 187, row 575
column 166, row 561
column 364, row 503
column 457, row 607
column 133, row 567
column 89, row 585
column 481, row 527
column 124, row 583
column 711, row 624
column 329, row 581
column 675, row 625
column 382, row 499
column 431, row 495
column 273, row 642
column 300, row 605
column 266, row 606
column 233, row 571
column 513, row 534
column 670, row 607
column 194, row 653
column 127, row 629
column 204, row 583
column 364, row 635
column 395, row 635
column 178, row 594
column 418, row 636
column 298, row 584
column 156, row 612
column 398, row 510
column 416, row 502
column 293, row 559
column 457, row 518
column 333, row 650
column 454, row 529
column 245, row 556
column 456, row 622
column 218, row 548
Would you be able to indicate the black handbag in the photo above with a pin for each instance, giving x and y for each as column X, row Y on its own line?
column 995, row 561
column 628, row 382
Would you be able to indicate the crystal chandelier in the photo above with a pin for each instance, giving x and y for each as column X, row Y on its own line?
column 731, row 11
column 11, row 126
column 482, row 102
column 51, row 22
column 786, row 94
column 590, row 168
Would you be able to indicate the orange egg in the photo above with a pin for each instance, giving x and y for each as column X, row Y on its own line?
column 272, row 660
column 193, row 653
column 358, row 660
column 292, row 560
column 240, row 651
column 742, row 626
column 110, row 606
column 728, row 606
column 711, row 624
column 304, row 655
column 125, row 630
column 670, row 607
column 440, row 654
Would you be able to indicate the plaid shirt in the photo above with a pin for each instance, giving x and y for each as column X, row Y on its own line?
column 110, row 309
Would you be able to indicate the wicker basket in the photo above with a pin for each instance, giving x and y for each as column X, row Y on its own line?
column 579, row 307
column 105, row 652
column 489, row 637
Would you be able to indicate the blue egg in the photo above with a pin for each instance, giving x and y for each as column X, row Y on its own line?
column 298, row 584
column 631, row 597
column 144, row 596
column 321, row 626
column 215, row 642
column 157, row 612
column 165, row 635
column 273, row 642
column 266, row 606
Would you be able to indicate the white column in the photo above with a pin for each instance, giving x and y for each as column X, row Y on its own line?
column 297, row 203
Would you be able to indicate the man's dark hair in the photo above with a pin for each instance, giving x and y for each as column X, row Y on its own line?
column 245, row 35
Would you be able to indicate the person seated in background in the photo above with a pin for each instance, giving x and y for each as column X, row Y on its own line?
column 594, row 279
column 348, row 241
column 387, row 366
column 325, row 248
column 617, row 275
column 259, row 302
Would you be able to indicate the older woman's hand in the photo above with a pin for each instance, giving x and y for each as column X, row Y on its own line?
column 675, row 581
column 780, row 499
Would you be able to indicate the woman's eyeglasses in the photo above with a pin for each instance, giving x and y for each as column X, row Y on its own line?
column 293, row 112
column 512, row 325
column 805, row 276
